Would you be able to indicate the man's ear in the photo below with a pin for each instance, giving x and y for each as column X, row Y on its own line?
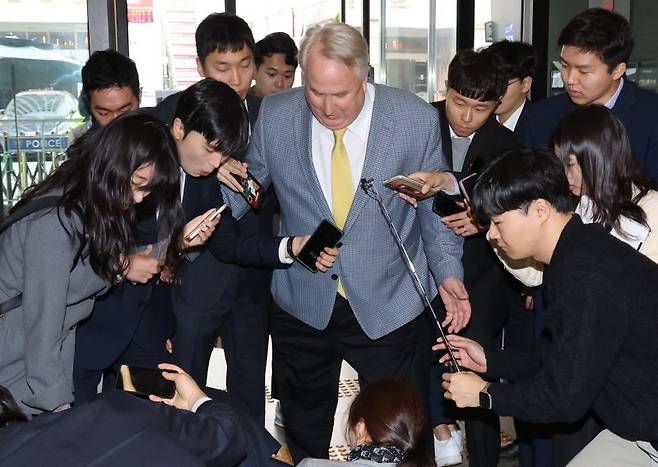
column 178, row 129
column 618, row 71
column 526, row 84
column 541, row 209
column 199, row 68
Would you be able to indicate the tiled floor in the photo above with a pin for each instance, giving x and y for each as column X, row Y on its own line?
column 347, row 390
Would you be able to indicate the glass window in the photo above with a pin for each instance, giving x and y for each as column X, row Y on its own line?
column 43, row 46
column 445, row 46
column 405, row 45
column 496, row 20
column 161, row 42
column 354, row 13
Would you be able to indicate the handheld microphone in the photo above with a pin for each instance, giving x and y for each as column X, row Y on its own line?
column 368, row 187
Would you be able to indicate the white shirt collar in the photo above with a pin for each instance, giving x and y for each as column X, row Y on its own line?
column 513, row 119
column 613, row 100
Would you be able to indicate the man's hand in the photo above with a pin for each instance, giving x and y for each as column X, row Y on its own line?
column 458, row 308
column 206, row 232
column 463, row 388
column 432, row 180
column 226, row 170
column 461, row 223
column 327, row 256
column 468, row 353
column 141, row 267
column 187, row 391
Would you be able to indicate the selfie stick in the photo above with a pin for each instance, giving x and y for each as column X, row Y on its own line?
column 371, row 191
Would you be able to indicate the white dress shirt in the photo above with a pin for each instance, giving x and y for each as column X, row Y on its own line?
column 355, row 140
column 513, row 119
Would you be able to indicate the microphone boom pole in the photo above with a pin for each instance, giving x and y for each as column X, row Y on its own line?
column 368, row 187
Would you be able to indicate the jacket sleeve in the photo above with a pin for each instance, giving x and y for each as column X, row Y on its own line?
column 214, row 433
column 442, row 247
column 577, row 362
column 48, row 257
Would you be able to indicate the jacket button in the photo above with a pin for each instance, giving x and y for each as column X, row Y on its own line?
column 334, row 276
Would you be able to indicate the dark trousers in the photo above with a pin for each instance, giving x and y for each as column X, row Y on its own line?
column 306, row 369
column 245, row 337
column 196, row 332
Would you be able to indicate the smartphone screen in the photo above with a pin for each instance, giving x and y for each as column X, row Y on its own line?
column 144, row 381
column 467, row 184
column 444, row 205
column 252, row 190
column 326, row 235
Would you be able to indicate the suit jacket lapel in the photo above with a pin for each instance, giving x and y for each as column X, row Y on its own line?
column 302, row 137
column 189, row 197
column 379, row 136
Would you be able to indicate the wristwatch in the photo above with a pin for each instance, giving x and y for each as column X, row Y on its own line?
column 486, row 402
column 289, row 250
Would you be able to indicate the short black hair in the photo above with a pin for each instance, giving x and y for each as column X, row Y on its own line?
column 222, row 32
column 516, row 179
column 603, row 32
column 108, row 69
column 518, row 59
column 10, row 412
column 276, row 43
column 213, row 109
column 477, row 75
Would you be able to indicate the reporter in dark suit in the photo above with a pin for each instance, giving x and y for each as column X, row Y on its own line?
column 225, row 52
column 119, row 429
column 596, row 46
column 470, row 138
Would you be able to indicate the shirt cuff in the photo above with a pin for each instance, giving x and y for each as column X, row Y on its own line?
column 455, row 186
column 199, row 402
column 283, row 252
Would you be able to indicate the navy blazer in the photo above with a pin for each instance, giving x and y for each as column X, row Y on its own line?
column 121, row 429
column 637, row 108
column 201, row 278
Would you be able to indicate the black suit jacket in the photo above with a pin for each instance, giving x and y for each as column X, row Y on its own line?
column 488, row 285
column 637, row 109
column 119, row 429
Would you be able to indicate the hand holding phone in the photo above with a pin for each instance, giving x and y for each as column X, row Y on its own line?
column 209, row 218
column 466, row 186
column 409, row 186
column 325, row 235
column 251, row 189
column 143, row 381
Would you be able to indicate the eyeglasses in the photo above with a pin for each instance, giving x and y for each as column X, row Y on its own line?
column 509, row 83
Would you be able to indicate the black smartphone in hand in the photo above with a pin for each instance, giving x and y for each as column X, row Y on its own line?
column 143, row 381
column 445, row 205
column 325, row 235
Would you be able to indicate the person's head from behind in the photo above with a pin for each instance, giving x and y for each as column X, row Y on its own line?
column 10, row 412
column 225, row 51
column 107, row 173
column 209, row 125
column 110, row 86
column 276, row 62
column 389, row 413
column 524, row 198
column 334, row 61
column 594, row 51
column 518, row 61
column 593, row 145
column 474, row 87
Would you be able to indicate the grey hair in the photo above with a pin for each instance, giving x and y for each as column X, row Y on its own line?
column 338, row 41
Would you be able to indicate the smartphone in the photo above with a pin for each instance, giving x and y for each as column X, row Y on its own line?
column 252, row 189
column 409, row 186
column 326, row 234
column 466, row 186
column 143, row 381
column 446, row 205
column 210, row 217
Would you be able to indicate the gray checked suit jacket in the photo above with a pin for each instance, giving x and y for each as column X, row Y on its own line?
column 404, row 137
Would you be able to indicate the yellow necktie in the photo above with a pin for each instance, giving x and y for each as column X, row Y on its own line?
column 341, row 185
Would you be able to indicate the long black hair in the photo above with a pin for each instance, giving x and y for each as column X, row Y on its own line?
column 611, row 175
column 96, row 187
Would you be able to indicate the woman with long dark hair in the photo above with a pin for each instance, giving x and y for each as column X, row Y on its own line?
column 56, row 260
column 385, row 427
